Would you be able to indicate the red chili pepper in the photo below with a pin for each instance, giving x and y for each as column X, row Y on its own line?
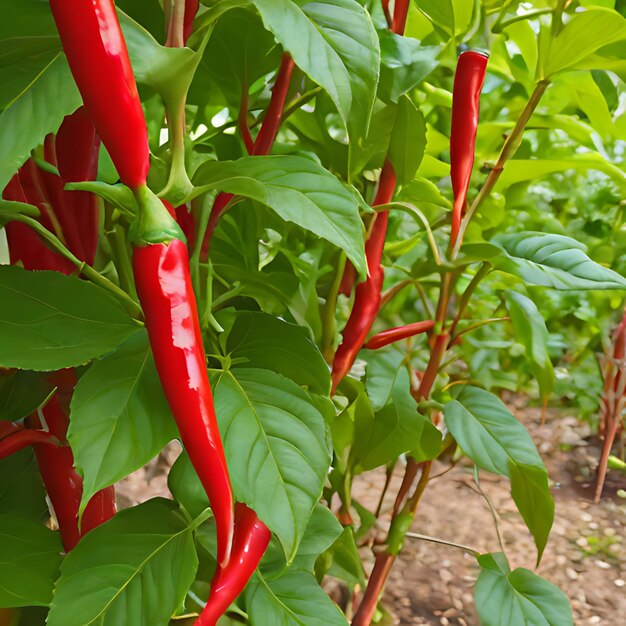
column 263, row 142
column 348, row 279
column 25, row 247
column 269, row 129
column 396, row 334
column 63, row 483
column 97, row 55
column 76, row 149
column 191, row 8
column 8, row 428
column 468, row 82
column 400, row 13
column 164, row 286
column 367, row 294
column 23, row 438
column 249, row 544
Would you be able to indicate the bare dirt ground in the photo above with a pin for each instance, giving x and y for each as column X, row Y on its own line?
column 432, row 583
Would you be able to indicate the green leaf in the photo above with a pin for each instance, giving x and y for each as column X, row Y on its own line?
column 134, row 569
column 321, row 532
column 168, row 70
column 186, row 487
column 530, row 330
column 585, row 33
column 521, row 170
column 246, row 51
column 397, row 428
column 21, row 393
column 491, row 436
column 31, row 555
column 263, row 341
column 28, row 42
column 335, row 44
column 276, row 448
column 518, row 597
column 408, row 141
column 383, row 368
column 346, row 562
column 21, row 489
column 439, row 12
column 555, row 261
column 405, row 62
column 299, row 190
column 49, row 321
column 294, row 599
column 38, row 111
column 119, row 417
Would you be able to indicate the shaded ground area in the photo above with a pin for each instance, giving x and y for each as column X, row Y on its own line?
column 432, row 583
column 586, row 554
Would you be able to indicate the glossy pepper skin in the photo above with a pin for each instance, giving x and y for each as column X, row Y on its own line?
column 468, row 82
column 98, row 57
column 396, row 334
column 249, row 544
column 367, row 293
column 164, row 287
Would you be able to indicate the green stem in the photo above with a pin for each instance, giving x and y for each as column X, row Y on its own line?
column 297, row 103
column 498, row 27
column 509, row 149
column 443, row 542
column 473, row 327
column 413, row 210
column 194, row 262
column 178, row 185
column 86, row 270
column 328, row 312
column 485, row 268
column 175, row 24
column 557, row 18
column 123, row 260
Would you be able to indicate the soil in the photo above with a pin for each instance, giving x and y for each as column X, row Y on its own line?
column 432, row 583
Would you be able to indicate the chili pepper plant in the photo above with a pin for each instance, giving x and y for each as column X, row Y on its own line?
column 258, row 228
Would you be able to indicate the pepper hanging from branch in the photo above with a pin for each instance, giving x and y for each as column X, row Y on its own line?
column 98, row 57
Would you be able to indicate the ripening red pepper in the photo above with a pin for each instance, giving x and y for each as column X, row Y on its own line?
column 367, row 294
column 164, row 287
column 468, row 82
column 25, row 247
column 9, row 428
column 71, row 215
column 396, row 334
column 400, row 13
column 23, row 438
column 271, row 123
column 98, row 57
column 76, row 148
column 97, row 54
column 191, row 8
column 63, row 484
column 249, row 544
